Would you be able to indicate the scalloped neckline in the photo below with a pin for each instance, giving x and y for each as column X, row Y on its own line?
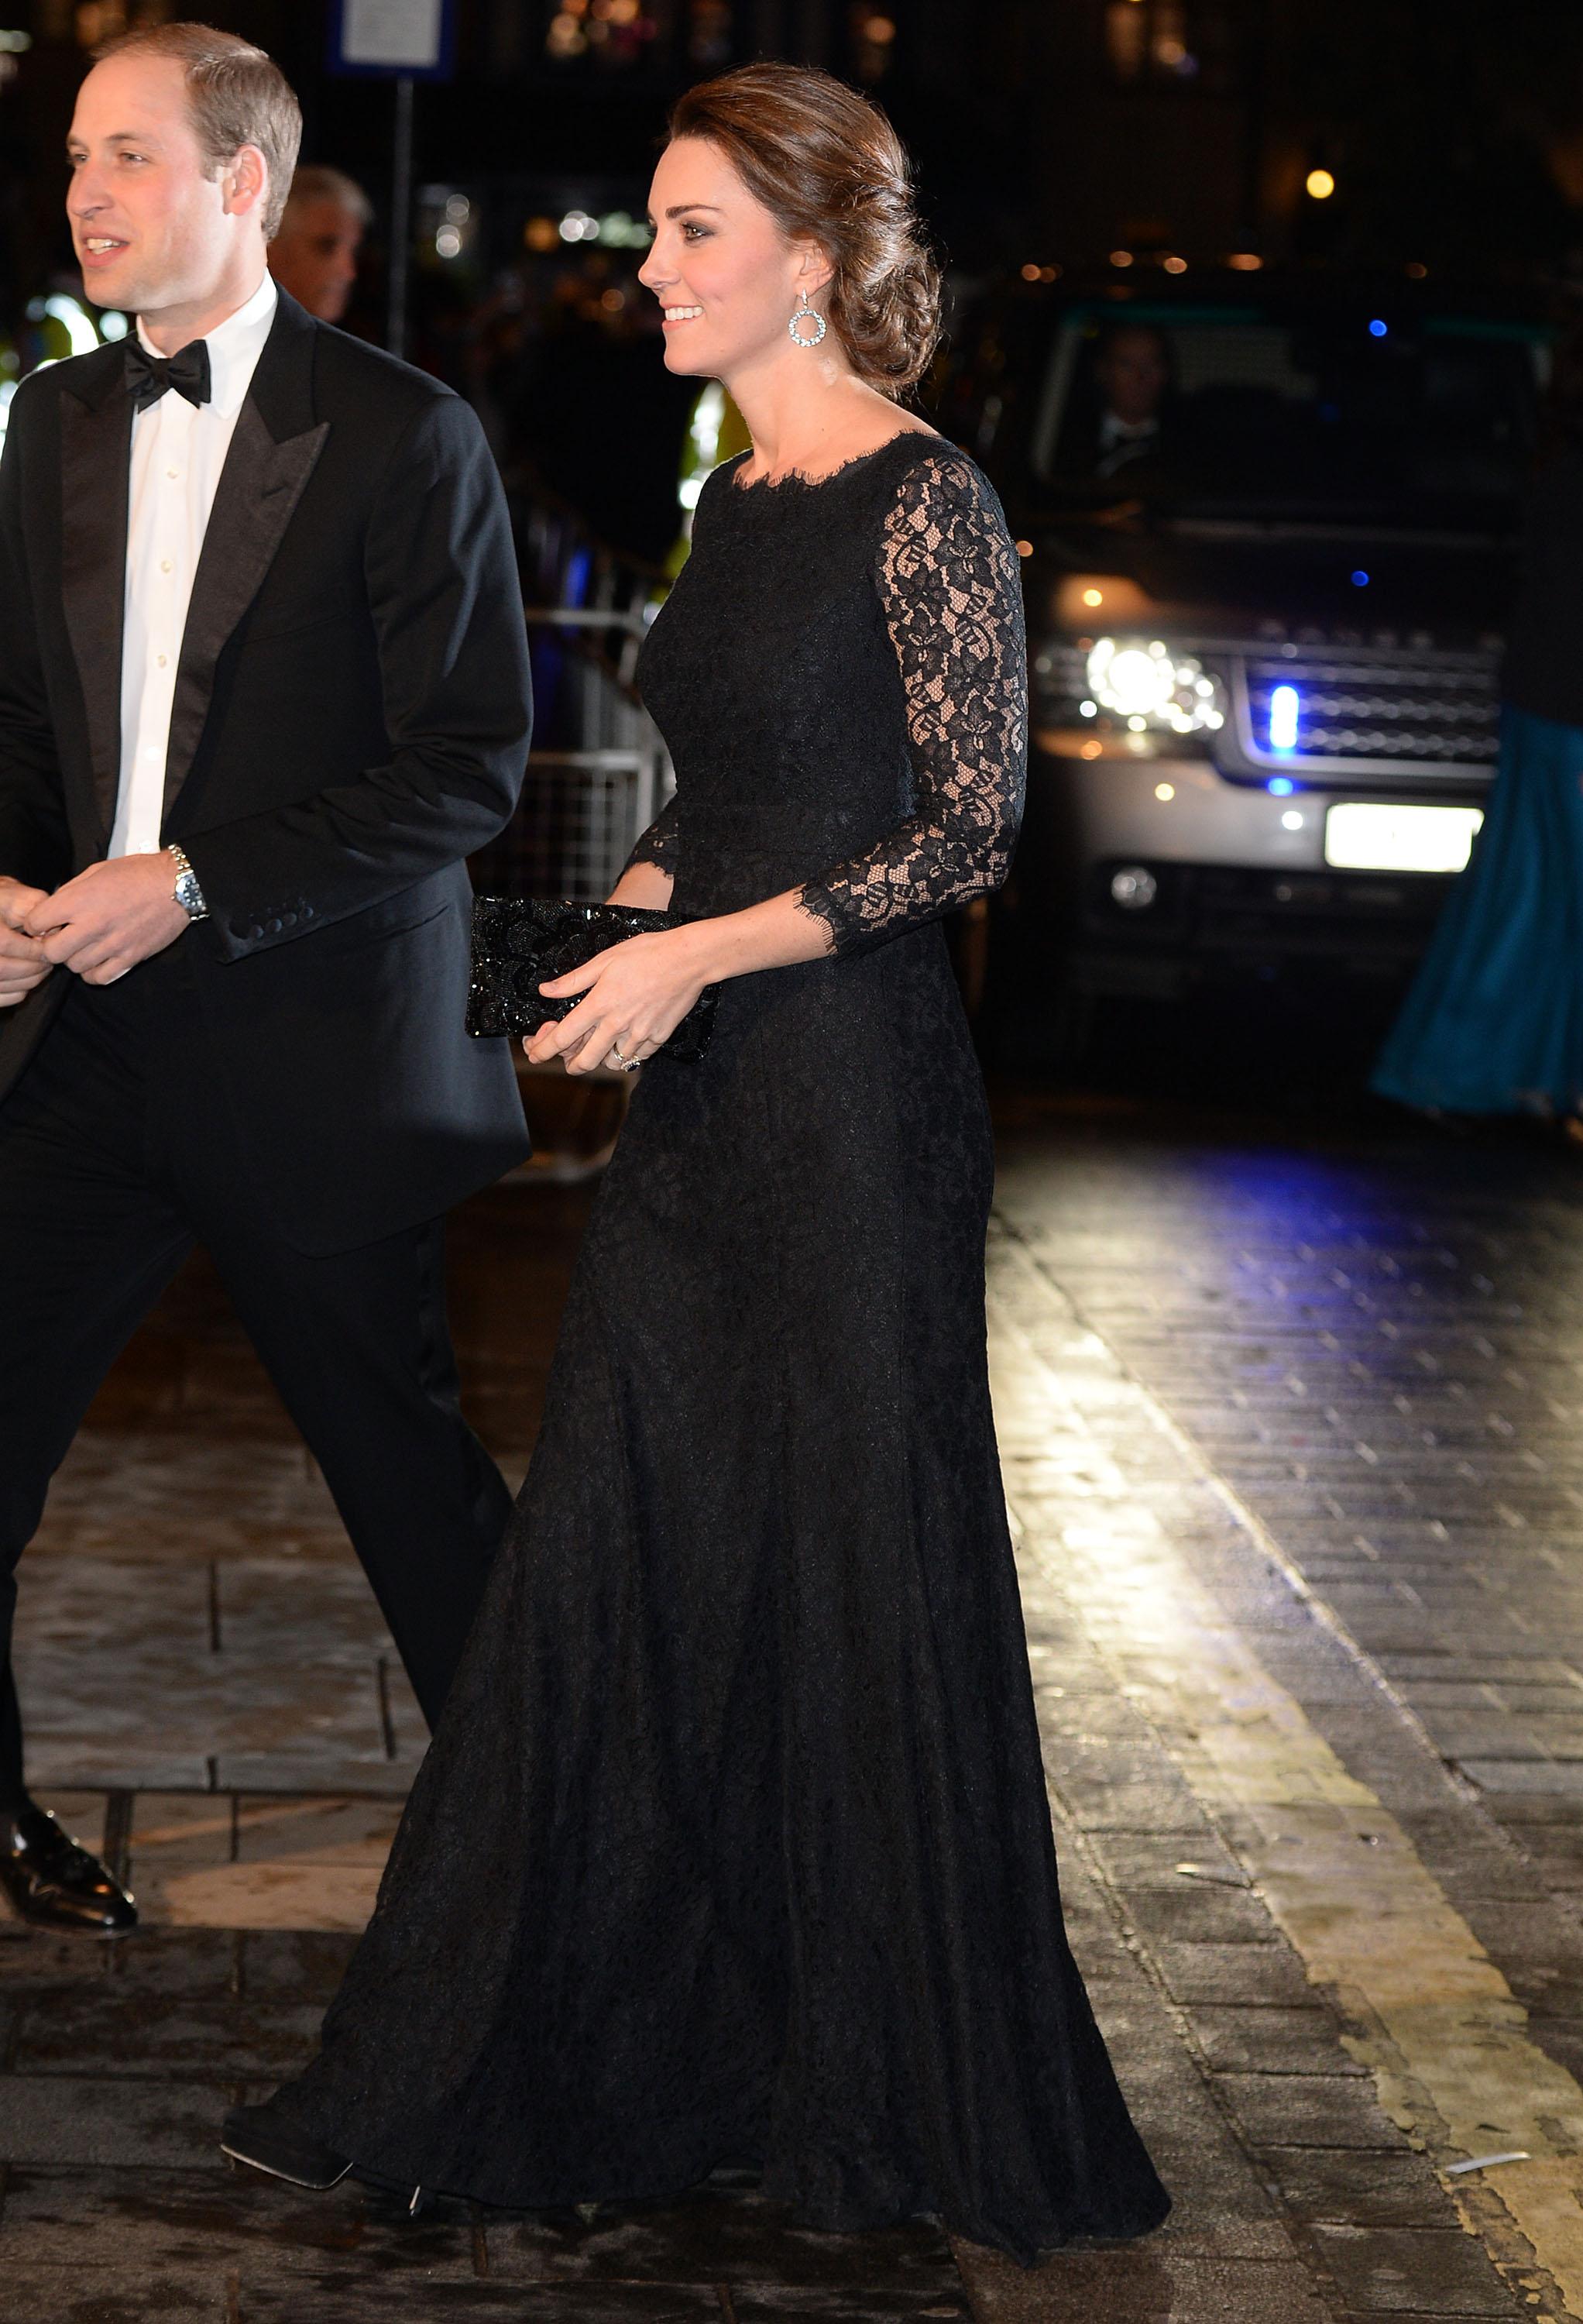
column 813, row 483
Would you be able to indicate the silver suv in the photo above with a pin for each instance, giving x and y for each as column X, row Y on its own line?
column 1268, row 532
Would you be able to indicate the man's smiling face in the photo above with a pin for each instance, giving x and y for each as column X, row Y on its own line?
column 149, row 214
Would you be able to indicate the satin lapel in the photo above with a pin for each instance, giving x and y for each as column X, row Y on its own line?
column 260, row 486
column 96, row 462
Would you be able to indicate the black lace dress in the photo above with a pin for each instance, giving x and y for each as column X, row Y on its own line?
column 733, row 1843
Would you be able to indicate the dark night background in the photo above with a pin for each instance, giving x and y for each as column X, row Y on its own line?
column 1048, row 130
column 1049, row 134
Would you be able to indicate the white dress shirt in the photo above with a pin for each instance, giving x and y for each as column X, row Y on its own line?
column 178, row 451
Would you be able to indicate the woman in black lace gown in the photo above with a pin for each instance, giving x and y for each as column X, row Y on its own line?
column 733, row 1843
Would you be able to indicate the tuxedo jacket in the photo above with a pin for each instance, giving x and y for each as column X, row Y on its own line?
column 351, row 721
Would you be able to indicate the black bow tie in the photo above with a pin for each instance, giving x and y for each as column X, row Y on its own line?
column 149, row 376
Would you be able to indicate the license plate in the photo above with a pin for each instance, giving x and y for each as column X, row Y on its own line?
column 1370, row 836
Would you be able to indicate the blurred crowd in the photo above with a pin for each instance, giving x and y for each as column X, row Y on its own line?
column 560, row 353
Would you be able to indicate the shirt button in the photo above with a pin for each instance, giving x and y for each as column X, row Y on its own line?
column 160, row 660
column 164, row 565
column 174, row 475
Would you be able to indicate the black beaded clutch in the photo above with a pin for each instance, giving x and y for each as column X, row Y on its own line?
column 521, row 942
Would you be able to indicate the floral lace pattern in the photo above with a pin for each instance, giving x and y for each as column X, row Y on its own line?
column 659, row 844
column 948, row 581
column 734, row 1841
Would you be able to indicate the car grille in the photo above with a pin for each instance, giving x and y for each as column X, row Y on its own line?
column 1369, row 717
column 1356, row 713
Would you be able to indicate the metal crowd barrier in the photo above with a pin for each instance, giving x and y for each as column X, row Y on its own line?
column 597, row 774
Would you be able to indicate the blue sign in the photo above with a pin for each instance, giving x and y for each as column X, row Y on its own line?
column 392, row 40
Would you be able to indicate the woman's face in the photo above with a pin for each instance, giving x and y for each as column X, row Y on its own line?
column 723, row 272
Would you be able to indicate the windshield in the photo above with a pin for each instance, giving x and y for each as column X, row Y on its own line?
column 1241, row 410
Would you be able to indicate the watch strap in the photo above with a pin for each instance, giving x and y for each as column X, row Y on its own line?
column 187, row 891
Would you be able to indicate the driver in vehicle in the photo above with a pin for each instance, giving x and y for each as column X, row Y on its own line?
column 1132, row 372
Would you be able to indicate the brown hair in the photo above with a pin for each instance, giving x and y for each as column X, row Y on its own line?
column 829, row 167
column 236, row 95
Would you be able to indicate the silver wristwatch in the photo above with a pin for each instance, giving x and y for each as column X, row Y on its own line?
column 188, row 892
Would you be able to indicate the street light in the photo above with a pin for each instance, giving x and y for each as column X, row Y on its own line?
column 1320, row 184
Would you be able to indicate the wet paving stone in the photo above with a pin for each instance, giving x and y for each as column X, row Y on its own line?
column 1448, row 1405
column 1308, row 2110
column 294, row 1964
column 1384, row 2270
column 1193, row 1912
column 1138, row 2284
column 34, row 1959
column 109, row 2218
column 718, row 2234
column 59, row 2118
column 1414, row 2316
column 344, row 2295
column 1118, row 1798
column 1351, row 2186
column 1147, row 1860
column 1543, row 1945
column 118, row 2294
column 1473, row 1857
column 1270, row 2041
column 1561, row 2039
column 115, row 2034
column 221, row 1860
column 853, row 2303
column 1232, row 1974
column 1221, row 2213
column 195, row 1964
column 1448, row 1561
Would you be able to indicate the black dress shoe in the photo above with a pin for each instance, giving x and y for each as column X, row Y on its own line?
column 54, row 1884
column 256, row 2135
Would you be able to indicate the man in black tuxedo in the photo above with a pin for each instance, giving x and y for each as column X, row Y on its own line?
column 1125, row 420
column 264, row 686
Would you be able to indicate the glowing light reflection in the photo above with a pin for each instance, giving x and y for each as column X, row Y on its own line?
column 1285, row 706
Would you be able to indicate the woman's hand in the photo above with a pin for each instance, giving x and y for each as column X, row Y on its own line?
column 634, row 996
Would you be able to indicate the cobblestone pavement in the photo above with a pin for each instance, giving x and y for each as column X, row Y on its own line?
column 1288, row 1437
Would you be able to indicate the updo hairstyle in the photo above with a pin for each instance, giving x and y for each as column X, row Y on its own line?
column 829, row 167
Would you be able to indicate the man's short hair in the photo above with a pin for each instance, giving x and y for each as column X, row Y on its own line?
column 236, row 95
column 315, row 181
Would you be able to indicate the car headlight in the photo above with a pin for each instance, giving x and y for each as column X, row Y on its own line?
column 1149, row 686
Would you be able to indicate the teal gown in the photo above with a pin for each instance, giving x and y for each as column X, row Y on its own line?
column 1494, row 1021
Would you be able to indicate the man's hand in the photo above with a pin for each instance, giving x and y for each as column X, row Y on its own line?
column 23, row 961
column 109, row 917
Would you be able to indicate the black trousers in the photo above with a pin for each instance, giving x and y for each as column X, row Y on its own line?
column 117, row 1154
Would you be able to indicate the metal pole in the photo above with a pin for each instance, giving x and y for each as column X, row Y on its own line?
column 401, row 220
column 1254, row 98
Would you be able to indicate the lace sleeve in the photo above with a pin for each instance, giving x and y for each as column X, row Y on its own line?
column 949, row 584
column 658, row 845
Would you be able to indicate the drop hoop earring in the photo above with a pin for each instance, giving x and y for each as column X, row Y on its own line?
column 813, row 316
